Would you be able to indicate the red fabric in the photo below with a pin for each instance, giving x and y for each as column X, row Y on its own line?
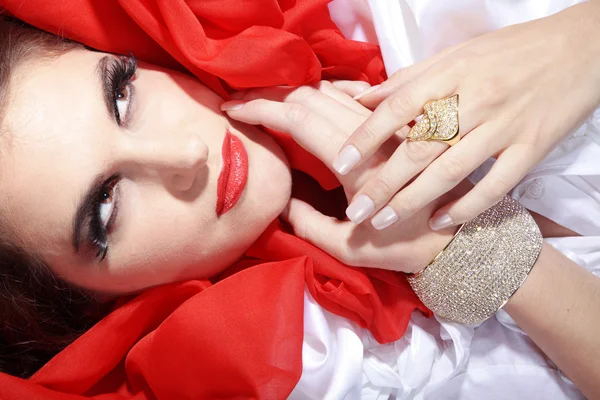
column 240, row 337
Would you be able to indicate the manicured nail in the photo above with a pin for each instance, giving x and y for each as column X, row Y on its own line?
column 347, row 159
column 384, row 218
column 232, row 105
column 360, row 208
column 366, row 92
column 441, row 222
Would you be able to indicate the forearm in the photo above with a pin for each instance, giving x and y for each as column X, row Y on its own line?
column 558, row 306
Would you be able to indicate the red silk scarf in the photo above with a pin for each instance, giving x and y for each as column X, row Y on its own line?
column 241, row 335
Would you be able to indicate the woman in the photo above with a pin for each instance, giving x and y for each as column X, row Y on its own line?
column 77, row 250
column 175, row 172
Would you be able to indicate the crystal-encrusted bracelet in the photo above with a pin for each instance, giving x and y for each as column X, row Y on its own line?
column 484, row 264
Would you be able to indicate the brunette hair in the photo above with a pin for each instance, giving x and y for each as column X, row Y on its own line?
column 40, row 313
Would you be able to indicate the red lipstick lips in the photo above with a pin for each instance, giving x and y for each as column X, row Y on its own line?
column 234, row 173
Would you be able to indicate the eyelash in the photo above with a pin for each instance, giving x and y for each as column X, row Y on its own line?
column 98, row 231
column 119, row 76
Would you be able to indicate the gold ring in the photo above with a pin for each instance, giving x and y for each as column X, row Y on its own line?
column 439, row 122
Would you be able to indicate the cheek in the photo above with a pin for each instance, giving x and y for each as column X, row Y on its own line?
column 165, row 239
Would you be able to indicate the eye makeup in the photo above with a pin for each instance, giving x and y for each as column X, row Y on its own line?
column 98, row 209
column 100, row 223
column 117, row 75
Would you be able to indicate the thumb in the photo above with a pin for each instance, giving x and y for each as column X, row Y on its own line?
column 327, row 233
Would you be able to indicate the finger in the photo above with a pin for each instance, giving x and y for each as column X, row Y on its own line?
column 351, row 88
column 332, row 90
column 392, row 114
column 372, row 98
column 325, row 232
column 408, row 160
column 442, row 175
column 315, row 100
column 502, row 178
column 310, row 130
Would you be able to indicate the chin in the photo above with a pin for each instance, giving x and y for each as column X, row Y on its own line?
column 269, row 185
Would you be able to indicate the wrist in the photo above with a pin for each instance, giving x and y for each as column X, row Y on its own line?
column 438, row 244
column 519, row 298
column 581, row 27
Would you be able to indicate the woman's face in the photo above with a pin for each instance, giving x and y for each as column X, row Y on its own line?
column 90, row 160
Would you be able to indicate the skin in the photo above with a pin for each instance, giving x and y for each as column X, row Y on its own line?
column 60, row 136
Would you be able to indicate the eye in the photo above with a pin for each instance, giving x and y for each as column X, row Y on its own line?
column 122, row 99
column 106, row 208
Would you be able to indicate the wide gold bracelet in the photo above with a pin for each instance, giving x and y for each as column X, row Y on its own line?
column 485, row 263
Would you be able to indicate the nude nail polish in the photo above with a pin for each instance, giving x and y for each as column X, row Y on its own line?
column 360, row 208
column 441, row 222
column 347, row 159
column 384, row 218
column 232, row 105
column 366, row 92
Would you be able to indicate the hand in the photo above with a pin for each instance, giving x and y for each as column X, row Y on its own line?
column 522, row 90
column 320, row 120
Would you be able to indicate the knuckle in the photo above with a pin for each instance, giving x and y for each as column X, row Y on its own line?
column 495, row 188
column 489, row 93
column 401, row 102
column 383, row 187
column 297, row 114
column 460, row 65
column 406, row 205
column 452, row 169
column 418, row 152
column 367, row 134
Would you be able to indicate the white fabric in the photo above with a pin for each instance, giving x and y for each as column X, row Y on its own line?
column 438, row 359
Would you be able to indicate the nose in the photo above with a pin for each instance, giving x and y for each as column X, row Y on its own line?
column 178, row 158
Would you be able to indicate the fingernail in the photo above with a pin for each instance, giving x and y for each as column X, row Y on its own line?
column 232, row 105
column 360, row 208
column 366, row 92
column 384, row 218
column 364, row 86
column 347, row 159
column 441, row 222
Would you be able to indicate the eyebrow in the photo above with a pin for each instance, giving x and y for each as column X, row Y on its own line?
column 89, row 200
column 85, row 208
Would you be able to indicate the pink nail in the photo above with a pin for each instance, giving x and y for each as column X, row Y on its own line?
column 441, row 222
column 232, row 105
column 366, row 92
